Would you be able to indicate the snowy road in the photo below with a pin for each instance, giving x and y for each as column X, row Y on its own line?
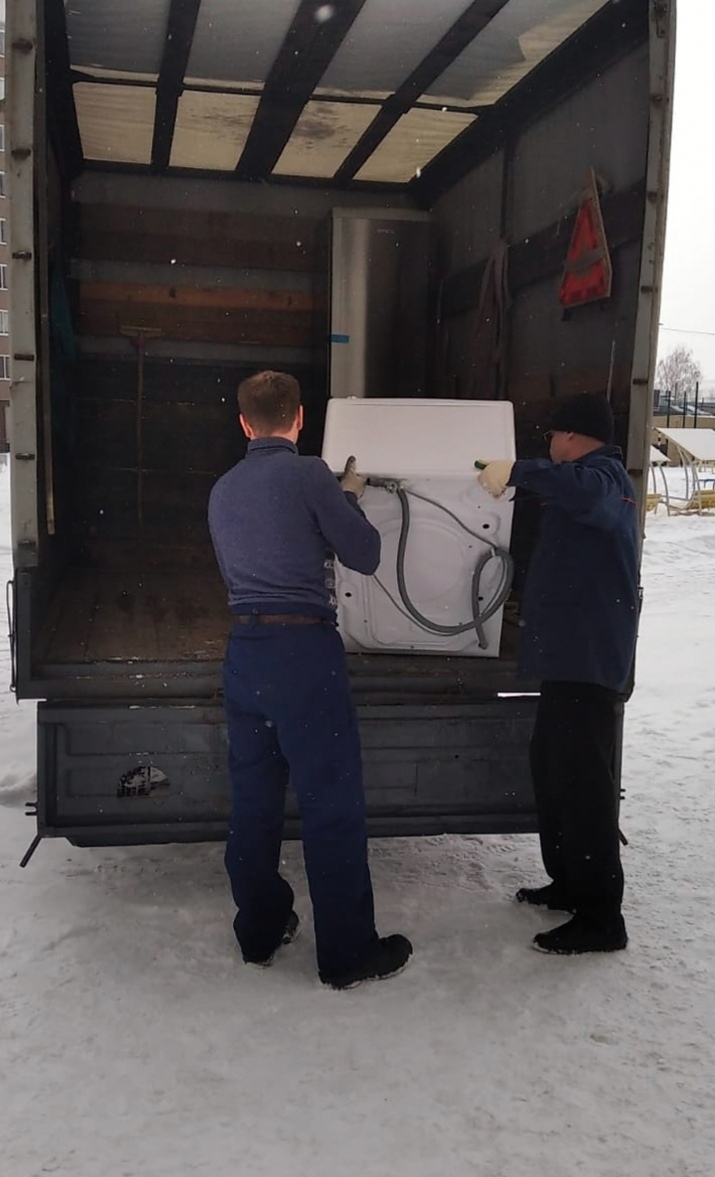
column 135, row 1044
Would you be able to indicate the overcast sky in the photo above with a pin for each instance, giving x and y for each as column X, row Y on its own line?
column 689, row 276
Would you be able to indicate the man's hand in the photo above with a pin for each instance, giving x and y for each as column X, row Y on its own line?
column 495, row 476
column 351, row 480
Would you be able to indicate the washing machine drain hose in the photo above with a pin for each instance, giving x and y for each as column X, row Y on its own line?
column 480, row 612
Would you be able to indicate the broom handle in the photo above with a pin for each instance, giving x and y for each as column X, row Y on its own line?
column 140, row 433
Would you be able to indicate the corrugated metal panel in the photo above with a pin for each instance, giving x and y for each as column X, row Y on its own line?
column 417, row 138
column 125, row 36
column 388, row 40
column 323, row 136
column 211, row 130
column 238, row 41
column 606, row 140
column 116, row 123
column 465, row 238
column 522, row 35
column 430, row 766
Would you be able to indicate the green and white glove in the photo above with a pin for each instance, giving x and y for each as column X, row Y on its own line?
column 351, row 480
column 495, row 476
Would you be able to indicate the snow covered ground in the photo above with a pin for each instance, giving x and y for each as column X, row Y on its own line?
column 135, row 1044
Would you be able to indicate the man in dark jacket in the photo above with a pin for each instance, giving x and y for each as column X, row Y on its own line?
column 276, row 522
column 579, row 621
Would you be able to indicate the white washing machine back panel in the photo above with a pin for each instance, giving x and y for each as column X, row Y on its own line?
column 428, row 448
column 417, row 438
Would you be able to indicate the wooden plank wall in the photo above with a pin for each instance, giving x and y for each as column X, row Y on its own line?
column 233, row 311
column 229, row 294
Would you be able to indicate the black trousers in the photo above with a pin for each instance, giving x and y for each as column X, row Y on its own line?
column 571, row 754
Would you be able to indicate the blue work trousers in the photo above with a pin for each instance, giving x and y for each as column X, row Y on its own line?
column 291, row 717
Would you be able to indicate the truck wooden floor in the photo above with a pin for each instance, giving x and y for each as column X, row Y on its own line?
column 137, row 613
column 144, row 612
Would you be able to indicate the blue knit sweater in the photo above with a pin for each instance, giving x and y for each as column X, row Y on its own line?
column 277, row 520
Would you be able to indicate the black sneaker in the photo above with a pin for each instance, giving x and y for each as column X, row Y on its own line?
column 548, row 896
column 292, row 931
column 580, row 935
column 386, row 958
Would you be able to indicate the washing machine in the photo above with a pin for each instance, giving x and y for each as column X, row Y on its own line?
column 445, row 570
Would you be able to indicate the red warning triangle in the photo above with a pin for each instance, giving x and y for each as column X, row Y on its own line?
column 587, row 273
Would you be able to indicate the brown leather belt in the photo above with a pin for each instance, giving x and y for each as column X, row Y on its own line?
column 275, row 619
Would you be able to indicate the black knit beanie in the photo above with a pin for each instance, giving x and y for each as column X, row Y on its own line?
column 588, row 413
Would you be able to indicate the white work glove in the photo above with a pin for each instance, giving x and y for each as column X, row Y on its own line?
column 495, row 476
column 351, row 480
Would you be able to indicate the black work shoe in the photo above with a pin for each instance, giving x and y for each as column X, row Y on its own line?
column 581, row 935
column 292, row 931
column 386, row 958
column 548, row 896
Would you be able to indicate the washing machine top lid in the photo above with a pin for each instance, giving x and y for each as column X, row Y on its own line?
column 414, row 438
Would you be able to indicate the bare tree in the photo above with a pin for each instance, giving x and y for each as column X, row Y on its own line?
column 677, row 374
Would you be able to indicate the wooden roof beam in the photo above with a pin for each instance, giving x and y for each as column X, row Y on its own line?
column 307, row 50
column 180, row 29
column 464, row 30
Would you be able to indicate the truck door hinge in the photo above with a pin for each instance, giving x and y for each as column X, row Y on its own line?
column 661, row 13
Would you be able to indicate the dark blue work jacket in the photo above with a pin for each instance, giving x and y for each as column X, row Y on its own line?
column 580, row 605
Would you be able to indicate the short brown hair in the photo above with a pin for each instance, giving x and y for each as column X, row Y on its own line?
column 269, row 401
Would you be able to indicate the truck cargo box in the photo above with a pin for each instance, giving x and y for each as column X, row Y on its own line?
column 175, row 166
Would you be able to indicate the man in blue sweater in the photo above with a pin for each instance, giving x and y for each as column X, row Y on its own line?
column 277, row 521
column 579, row 621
